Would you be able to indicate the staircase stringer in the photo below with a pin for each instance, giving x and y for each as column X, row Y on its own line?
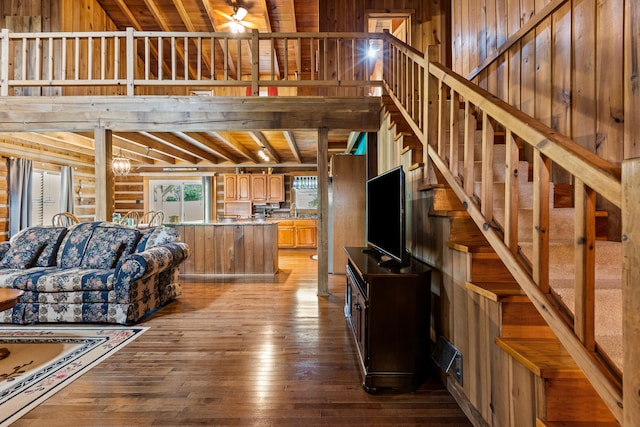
column 597, row 373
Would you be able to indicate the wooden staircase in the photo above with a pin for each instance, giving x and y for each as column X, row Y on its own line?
column 515, row 370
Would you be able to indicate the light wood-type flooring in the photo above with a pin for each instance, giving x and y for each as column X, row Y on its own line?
column 244, row 352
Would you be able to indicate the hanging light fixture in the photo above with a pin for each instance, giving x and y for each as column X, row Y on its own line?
column 120, row 164
column 262, row 153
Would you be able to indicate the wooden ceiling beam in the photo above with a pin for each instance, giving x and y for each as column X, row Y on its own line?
column 131, row 149
column 269, row 29
column 260, row 139
column 188, row 113
column 230, row 141
column 177, row 141
column 210, row 13
column 12, row 147
column 191, row 27
column 136, row 24
column 293, row 145
column 210, row 144
column 147, row 141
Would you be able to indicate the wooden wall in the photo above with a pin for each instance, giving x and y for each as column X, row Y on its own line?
column 429, row 25
column 568, row 69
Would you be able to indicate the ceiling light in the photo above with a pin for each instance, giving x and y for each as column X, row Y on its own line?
column 372, row 52
column 120, row 164
column 262, row 153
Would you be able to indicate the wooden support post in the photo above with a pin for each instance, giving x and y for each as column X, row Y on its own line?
column 631, row 79
column 585, row 261
column 630, row 290
column 105, row 200
column 255, row 63
column 4, row 63
column 430, row 105
column 541, row 180
column 323, row 212
column 131, row 62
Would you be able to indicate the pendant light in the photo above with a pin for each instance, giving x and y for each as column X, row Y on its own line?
column 120, row 164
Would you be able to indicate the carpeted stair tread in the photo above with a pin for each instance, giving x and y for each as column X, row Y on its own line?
column 545, row 357
column 562, row 260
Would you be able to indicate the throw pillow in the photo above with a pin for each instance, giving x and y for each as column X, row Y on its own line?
column 158, row 236
column 106, row 246
column 22, row 256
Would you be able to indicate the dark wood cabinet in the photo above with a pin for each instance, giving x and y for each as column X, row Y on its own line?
column 388, row 312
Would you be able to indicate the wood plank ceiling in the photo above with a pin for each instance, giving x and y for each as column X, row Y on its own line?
column 220, row 149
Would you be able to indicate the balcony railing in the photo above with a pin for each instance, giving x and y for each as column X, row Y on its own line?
column 136, row 59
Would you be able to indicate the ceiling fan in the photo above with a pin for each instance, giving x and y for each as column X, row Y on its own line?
column 236, row 21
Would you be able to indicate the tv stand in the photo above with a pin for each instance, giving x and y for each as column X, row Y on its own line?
column 385, row 261
column 388, row 313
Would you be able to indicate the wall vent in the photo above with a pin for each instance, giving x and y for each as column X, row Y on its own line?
column 448, row 358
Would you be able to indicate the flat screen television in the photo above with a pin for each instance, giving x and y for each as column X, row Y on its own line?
column 386, row 217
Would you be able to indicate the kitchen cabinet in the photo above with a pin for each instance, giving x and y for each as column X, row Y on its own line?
column 286, row 234
column 275, row 185
column 267, row 188
column 237, row 187
column 297, row 233
column 306, row 232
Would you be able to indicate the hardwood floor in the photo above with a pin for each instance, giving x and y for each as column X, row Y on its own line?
column 244, row 352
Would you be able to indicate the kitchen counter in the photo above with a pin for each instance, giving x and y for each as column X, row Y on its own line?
column 239, row 247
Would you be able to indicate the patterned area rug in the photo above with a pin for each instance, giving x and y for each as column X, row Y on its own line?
column 36, row 362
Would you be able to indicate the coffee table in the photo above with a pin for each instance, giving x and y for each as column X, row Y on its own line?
column 9, row 298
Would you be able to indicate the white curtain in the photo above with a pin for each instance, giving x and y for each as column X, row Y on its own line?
column 19, row 194
column 66, row 189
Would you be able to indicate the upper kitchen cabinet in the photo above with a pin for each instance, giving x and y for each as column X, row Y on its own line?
column 257, row 188
column 237, row 187
column 275, row 185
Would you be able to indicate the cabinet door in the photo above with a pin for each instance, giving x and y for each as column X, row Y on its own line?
column 243, row 187
column 285, row 237
column 306, row 236
column 259, row 192
column 230, row 185
column 275, row 188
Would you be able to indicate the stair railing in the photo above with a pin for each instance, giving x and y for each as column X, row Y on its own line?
column 429, row 96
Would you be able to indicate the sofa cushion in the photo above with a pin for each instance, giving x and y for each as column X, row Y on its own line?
column 107, row 244
column 22, row 256
column 48, row 237
column 157, row 236
column 74, row 243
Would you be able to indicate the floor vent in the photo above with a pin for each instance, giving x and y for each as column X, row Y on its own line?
column 448, row 358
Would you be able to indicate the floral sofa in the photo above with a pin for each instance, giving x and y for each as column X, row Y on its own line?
column 92, row 272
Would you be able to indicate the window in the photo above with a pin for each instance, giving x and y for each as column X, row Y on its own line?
column 180, row 201
column 45, row 196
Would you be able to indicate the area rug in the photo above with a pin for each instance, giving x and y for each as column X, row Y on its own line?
column 36, row 362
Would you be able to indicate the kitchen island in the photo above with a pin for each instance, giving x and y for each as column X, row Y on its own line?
column 232, row 248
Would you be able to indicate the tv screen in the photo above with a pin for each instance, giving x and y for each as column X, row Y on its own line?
column 385, row 214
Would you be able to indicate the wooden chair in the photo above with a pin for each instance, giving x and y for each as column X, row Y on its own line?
column 64, row 219
column 151, row 219
column 131, row 218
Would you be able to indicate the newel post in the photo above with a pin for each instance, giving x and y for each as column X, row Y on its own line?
column 631, row 290
column 4, row 63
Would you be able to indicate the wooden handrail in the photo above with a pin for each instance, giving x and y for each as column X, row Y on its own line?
column 591, row 173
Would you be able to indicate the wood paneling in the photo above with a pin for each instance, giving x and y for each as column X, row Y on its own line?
column 230, row 249
column 566, row 71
